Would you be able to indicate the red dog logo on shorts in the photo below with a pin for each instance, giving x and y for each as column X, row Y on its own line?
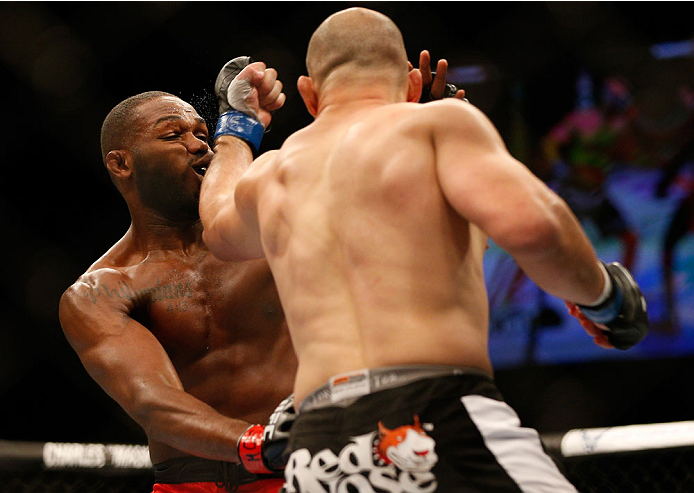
column 407, row 447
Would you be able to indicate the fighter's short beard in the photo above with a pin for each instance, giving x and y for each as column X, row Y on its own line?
column 167, row 197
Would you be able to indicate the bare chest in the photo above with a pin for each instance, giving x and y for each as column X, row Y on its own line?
column 196, row 307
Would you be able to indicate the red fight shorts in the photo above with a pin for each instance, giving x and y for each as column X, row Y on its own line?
column 260, row 486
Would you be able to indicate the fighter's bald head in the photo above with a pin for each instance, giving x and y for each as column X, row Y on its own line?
column 356, row 39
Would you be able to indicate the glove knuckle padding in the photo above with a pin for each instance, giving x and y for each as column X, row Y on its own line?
column 236, row 117
column 224, row 79
column 277, row 434
column 631, row 324
column 282, row 419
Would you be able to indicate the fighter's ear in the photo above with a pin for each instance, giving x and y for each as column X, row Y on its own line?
column 414, row 86
column 119, row 163
column 308, row 92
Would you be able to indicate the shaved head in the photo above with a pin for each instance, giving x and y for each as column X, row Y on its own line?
column 354, row 40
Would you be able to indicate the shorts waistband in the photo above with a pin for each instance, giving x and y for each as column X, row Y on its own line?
column 343, row 389
column 195, row 469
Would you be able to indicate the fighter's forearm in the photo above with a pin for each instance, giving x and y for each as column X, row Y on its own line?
column 185, row 423
column 232, row 158
column 560, row 259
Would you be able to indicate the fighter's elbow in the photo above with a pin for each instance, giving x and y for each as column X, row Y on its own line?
column 538, row 231
column 150, row 406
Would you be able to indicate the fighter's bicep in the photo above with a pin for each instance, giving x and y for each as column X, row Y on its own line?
column 130, row 364
column 119, row 353
column 484, row 187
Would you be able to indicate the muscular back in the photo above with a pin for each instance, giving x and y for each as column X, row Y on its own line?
column 168, row 320
column 374, row 267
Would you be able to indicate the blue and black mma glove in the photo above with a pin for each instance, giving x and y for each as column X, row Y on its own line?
column 624, row 310
column 235, row 116
column 263, row 449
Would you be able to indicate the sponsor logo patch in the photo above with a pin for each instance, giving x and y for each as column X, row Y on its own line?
column 397, row 460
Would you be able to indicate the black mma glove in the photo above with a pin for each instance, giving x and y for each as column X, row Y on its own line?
column 263, row 449
column 624, row 311
column 448, row 92
column 235, row 116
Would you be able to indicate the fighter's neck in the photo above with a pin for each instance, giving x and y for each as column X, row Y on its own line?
column 151, row 232
column 348, row 100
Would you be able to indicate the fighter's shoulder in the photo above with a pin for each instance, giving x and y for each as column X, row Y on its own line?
column 453, row 117
column 93, row 305
column 451, row 111
column 95, row 278
column 262, row 163
column 266, row 157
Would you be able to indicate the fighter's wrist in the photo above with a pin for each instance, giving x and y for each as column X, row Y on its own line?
column 606, row 288
column 249, row 447
column 607, row 307
column 238, row 124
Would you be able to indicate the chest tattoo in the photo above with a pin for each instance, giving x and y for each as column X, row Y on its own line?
column 160, row 291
